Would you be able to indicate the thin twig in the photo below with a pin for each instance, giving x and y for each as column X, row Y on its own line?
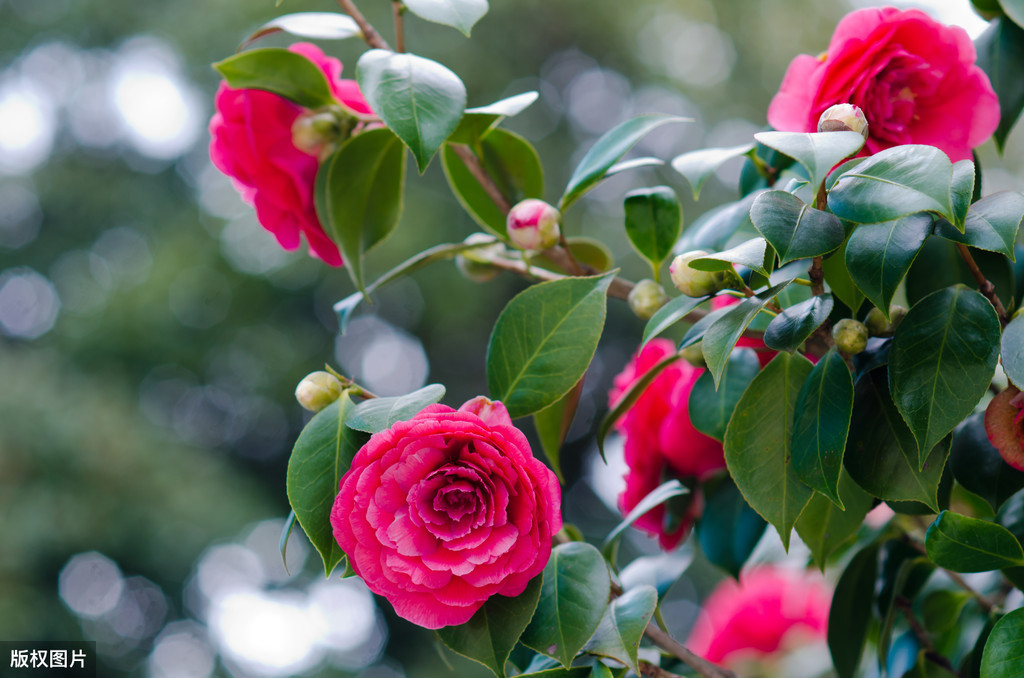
column 619, row 287
column 399, row 10
column 649, row 670
column 984, row 285
column 931, row 654
column 702, row 666
column 370, row 34
column 475, row 168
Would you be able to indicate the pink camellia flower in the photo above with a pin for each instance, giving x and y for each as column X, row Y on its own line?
column 251, row 142
column 769, row 611
column 915, row 79
column 1004, row 424
column 441, row 512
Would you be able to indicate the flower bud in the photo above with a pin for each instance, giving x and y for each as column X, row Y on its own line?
column 533, row 225
column 851, row 336
column 694, row 283
column 694, row 354
column 317, row 390
column 475, row 264
column 877, row 324
column 646, row 298
column 315, row 131
column 843, row 118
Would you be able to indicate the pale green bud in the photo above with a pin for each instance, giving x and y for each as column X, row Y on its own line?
column 851, row 336
column 695, row 283
column 317, row 390
column 843, row 118
column 646, row 298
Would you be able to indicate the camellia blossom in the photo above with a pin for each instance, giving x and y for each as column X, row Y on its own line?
column 251, row 142
column 441, row 512
column 1004, row 424
column 770, row 610
column 914, row 78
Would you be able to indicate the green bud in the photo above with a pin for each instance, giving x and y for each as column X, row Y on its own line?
column 475, row 264
column 851, row 336
column 646, row 298
column 694, row 354
column 896, row 315
column 317, row 390
column 877, row 324
column 695, row 283
column 317, row 132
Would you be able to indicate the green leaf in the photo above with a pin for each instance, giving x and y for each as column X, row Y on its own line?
column 751, row 254
column 544, row 341
column 824, row 527
column 587, row 251
column 282, row 543
column 630, row 397
column 791, row 328
column 978, row 466
column 939, row 265
column 552, row 424
column 713, row 229
column 572, row 602
column 654, row 220
column 478, row 122
column 574, row 672
column 838, row 279
column 491, row 633
column 849, row 618
column 1012, row 347
column 961, row 191
column 729, row 529
column 795, row 229
column 656, row 497
column 379, row 414
column 941, row 362
column 822, row 421
column 459, row 14
column 698, row 165
column 904, row 572
column 818, row 152
column 619, row 633
column 418, row 99
column 893, row 183
column 964, row 544
column 992, row 224
column 670, row 314
column 321, row 456
column 313, row 25
column 1001, row 56
column 881, row 453
column 942, row 608
column 710, row 408
column 723, row 334
column 757, row 443
column 699, row 329
column 359, row 193
column 878, row 256
column 513, row 164
column 606, row 151
column 1004, row 650
column 280, row 71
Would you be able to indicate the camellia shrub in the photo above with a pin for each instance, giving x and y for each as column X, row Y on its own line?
column 850, row 336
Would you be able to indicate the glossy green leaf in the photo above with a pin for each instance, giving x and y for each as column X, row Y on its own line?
column 992, row 224
column 378, row 414
column 1001, row 55
column 849, row 618
column 791, row 328
column 751, row 254
column 941, row 608
column 818, row 152
column 712, row 230
column 1012, row 350
column 478, row 122
column 939, row 265
column 312, row 25
column 491, row 633
column 619, row 633
column 824, row 527
column 964, row 544
column 544, row 341
column 838, row 279
column 654, row 220
column 757, row 443
column 878, row 256
column 729, row 529
column 722, row 335
column 630, row 397
column 280, row 71
column 698, row 165
column 710, row 408
column 820, row 425
column 359, row 192
column 633, row 163
column 670, row 314
column 1004, row 650
column 321, row 456
column 795, row 229
column 607, row 151
column 552, row 424
column 418, row 99
column 459, row 14
column 942, row 359
column 572, row 602
column 656, row 497
column 961, row 190
column 978, row 466
column 893, row 183
column 881, row 453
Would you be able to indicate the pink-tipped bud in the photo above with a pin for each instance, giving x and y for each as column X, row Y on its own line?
column 317, row 390
column 695, row 283
column 533, row 225
column 843, row 118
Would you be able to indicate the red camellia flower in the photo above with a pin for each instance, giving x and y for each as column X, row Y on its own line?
column 1004, row 424
column 768, row 611
column 251, row 142
column 441, row 512
column 914, row 78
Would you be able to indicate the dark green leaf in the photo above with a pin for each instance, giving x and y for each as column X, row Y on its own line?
column 878, row 256
column 710, row 408
column 280, row 71
column 699, row 328
column 1001, row 56
column 838, row 279
column 972, row 662
column 553, row 423
column 751, row 254
column 606, row 151
column 459, row 14
column 656, row 497
column 574, row 672
column 378, row 414
column 669, row 314
column 654, row 220
column 939, row 265
column 795, row 229
column 961, row 190
column 942, row 608
column 964, row 544
column 572, row 602
column 418, row 99
column 544, row 341
column 824, row 527
column 941, row 362
column 729, row 529
column 992, row 224
column 979, row 467
column 757, row 443
column 491, row 633
column 818, row 152
column 630, row 397
column 698, row 165
column 722, row 335
column 791, row 328
column 321, row 456
column 314, row 25
column 849, row 618
column 1004, row 650
column 904, row 572
column 619, row 633
column 713, row 229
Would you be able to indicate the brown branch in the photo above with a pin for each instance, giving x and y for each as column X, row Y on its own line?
column 702, row 666
column 930, row 653
column 618, row 289
column 984, row 285
column 399, row 10
column 475, row 168
column 370, row 34
column 649, row 670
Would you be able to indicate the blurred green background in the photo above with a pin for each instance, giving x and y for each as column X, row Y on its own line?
column 151, row 333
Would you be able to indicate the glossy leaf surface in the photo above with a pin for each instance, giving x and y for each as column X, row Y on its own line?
column 791, row 328
column 378, row 414
column 729, row 529
column 710, row 408
column 698, row 165
column 619, row 633
column 654, row 220
column 459, row 14
column 878, row 256
column 965, row 544
column 280, row 71
column 795, row 229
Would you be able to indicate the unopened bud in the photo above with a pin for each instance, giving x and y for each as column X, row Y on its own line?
column 317, row 390
column 695, row 283
column 475, row 264
column 878, row 325
column 646, row 298
column 313, row 131
column 851, row 336
column 896, row 315
column 694, row 354
column 533, row 225
column 843, row 118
